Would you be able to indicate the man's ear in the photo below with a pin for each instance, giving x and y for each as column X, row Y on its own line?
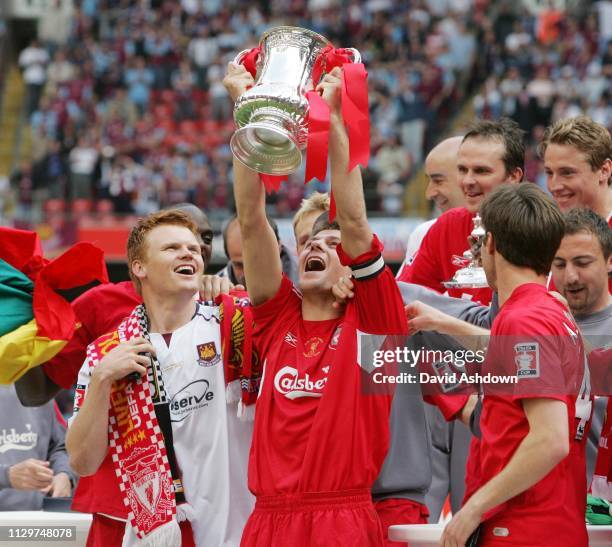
column 489, row 243
column 138, row 269
column 605, row 172
column 515, row 176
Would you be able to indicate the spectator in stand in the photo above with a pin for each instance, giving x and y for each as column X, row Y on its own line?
column 183, row 83
column 139, row 47
column 33, row 61
column 139, row 80
column 83, row 162
column 60, row 70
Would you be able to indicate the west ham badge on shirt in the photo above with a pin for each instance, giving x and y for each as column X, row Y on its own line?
column 207, row 354
column 527, row 360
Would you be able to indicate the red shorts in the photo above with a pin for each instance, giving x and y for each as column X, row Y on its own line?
column 400, row 511
column 107, row 532
column 315, row 519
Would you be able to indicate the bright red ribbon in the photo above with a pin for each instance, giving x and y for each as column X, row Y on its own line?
column 355, row 111
column 78, row 266
column 272, row 182
column 318, row 137
column 249, row 61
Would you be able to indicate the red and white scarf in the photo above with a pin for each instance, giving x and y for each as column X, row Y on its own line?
column 137, row 445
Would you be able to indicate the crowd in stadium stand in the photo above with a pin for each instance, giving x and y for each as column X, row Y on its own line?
column 131, row 114
column 540, row 73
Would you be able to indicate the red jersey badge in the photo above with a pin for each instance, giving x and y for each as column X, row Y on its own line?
column 527, row 360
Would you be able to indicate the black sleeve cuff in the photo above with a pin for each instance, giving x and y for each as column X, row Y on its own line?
column 369, row 269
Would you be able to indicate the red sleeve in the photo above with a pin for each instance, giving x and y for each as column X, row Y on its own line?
column 425, row 269
column 538, row 360
column 378, row 306
column 272, row 314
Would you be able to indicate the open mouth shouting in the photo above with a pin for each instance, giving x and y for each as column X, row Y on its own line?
column 314, row 264
column 185, row 270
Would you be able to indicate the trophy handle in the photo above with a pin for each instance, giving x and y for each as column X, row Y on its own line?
column 240, row 56
column 356, row 54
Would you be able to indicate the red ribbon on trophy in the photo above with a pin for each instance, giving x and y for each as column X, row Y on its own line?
column 355, row 112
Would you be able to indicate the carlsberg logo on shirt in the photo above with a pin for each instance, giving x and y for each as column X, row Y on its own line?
column 291, row 386
column 11, row 440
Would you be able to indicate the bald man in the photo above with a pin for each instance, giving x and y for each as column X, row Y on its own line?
column 442, row 188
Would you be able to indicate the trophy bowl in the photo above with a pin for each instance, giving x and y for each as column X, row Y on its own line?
column 272, row 115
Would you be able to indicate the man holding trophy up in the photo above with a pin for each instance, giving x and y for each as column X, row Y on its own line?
column 319, row 442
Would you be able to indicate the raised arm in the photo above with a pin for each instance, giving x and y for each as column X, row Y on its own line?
column 347, row 187
column 262, row 264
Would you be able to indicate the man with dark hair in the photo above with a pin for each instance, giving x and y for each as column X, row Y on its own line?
column 491, row 153
column 580, row 271
column 232, row 245
column 532, row 446
column 583, row 260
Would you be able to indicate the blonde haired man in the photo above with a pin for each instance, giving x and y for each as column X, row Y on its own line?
column 175, row 451
column 577, row 155
column 310, row 209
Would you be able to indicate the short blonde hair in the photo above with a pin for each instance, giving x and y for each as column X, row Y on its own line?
column 584, row 134
column 314, row 203
column 137, row 245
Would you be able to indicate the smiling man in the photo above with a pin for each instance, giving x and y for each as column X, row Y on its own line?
column 442, row 188
column 577, row 156
column 581, row 270
column 167, row 448
column 491, row 153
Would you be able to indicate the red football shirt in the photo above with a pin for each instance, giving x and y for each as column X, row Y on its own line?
column 315, row 430
column 535, row 339
column 441, row 255
column 99, row 310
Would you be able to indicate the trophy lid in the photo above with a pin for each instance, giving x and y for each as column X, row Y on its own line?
column 285, row 29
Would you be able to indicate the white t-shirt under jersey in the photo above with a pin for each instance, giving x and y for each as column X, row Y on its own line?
column 414, row 242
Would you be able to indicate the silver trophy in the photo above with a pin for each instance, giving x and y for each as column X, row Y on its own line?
column 473, row 275
column 272, row 115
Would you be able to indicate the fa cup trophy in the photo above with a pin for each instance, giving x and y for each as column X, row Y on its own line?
column 473, row 275
column 272, row 116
